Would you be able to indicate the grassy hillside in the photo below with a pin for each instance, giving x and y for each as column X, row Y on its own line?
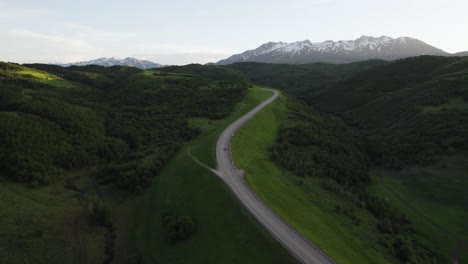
column 303, row 201
column 225, row 232
column 323, row 199
column 78, row 142
column 434, row 199
column 407, row 115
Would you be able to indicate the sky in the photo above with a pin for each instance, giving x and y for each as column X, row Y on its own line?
column 179, row 32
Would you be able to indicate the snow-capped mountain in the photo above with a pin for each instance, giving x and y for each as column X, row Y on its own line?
column 343, row 51
column 113, row 61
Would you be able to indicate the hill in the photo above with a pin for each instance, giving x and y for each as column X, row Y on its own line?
column 210, row 72
column 301, row 80
column 409, row 111
column 79, row 144
column 408, row 118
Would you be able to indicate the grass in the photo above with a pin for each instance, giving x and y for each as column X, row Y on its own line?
column 45, row 77
column 303, row 202
column 454, row 103
column 225, row 232
column 434, row 199
column 46, row 224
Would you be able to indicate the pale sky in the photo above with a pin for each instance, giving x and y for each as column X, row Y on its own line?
column 183, row 31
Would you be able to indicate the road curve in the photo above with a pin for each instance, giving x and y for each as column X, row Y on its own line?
column 294, row 242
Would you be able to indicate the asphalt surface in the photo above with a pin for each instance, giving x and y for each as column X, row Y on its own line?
column 292, row 240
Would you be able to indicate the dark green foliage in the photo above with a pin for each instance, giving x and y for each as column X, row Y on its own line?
column 178, row 228
column 388, row 103
column 211, row 72
column 406, row 111
column 99, row 214
column 314, row 144
column 301, row 81
column 124, row 120
column 29, row 147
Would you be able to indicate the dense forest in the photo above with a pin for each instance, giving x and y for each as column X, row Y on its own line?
column 124, row 120
column 315, row 144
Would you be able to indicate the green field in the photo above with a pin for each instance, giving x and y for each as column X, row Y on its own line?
column 48, row 224
column 303, row 202
column 436, row 206
column 225, row 232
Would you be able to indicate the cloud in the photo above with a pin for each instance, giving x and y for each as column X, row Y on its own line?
column 23, row 13
column 28, row 46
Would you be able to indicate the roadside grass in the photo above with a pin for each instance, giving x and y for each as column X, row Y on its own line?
column 438, row 207
column 303, row 202
column 225, row 232
column 46, row 224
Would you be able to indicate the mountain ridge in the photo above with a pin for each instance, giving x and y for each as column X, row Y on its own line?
column 342, row 51
column 115, row 61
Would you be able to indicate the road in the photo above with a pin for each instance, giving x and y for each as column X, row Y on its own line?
column 292, row 240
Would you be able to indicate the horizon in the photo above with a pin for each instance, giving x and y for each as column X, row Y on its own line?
column 50, row 32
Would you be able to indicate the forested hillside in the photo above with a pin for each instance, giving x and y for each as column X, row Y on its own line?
column 80, row 144
column 213, row 72
column 301, row 80
column 55, row 119
column 408, row 112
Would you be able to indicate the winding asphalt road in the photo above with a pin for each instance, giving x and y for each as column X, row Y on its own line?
column 298, row 245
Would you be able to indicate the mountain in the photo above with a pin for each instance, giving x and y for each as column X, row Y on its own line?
column 461, row 54
column 343, row 51
column 114, row 61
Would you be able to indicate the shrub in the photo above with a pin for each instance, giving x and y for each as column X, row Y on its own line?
column 178, row 228
column 99, row 213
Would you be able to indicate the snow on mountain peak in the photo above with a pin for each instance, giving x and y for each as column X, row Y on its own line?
column 114, row 61
column 362, row 48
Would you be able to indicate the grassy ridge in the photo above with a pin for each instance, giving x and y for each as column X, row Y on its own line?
column 225, row 232
column 303, row 202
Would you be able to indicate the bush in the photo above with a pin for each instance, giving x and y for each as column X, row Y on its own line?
column 99, row 213
column 178, row 228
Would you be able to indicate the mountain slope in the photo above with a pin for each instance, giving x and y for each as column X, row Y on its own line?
column 410, row 111
column 114, row 61
column 461, row 54
column 343, row 51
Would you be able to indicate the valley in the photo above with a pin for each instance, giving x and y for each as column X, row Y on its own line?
column 349, row 163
